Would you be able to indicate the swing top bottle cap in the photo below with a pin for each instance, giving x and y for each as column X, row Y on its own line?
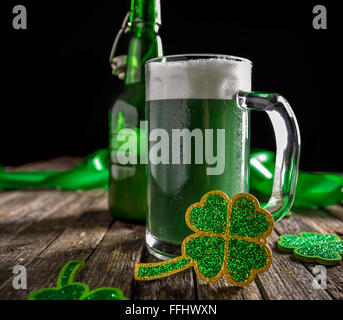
column 197, row 76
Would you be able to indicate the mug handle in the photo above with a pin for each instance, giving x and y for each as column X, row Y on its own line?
column 287, row 136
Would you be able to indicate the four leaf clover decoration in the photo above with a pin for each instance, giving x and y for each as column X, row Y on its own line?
column 321, row 248
column 67, row 289
column 230, row 240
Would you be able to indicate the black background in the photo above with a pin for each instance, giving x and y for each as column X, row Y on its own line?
column 57, row 83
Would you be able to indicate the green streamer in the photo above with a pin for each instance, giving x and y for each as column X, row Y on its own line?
column 90, row 173
column 313, row 190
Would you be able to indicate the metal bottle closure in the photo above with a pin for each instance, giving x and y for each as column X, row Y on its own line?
column 118, row 63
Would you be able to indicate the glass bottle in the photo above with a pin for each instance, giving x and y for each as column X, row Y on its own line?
column 128, row 181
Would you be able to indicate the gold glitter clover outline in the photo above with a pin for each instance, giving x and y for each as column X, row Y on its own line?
column 226, row 236
column 259, row 240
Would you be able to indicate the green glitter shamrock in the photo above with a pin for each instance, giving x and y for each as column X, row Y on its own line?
column 323, row 248
column 229, row 239
column 67, row 289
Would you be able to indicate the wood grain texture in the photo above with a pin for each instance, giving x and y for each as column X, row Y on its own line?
column 334, row 284
column 43, row 229
column 7, row 196
column 32, row 213
column 336, row 211
column 18, row 202
column 75, row 239
column 59, row 163
column 223, row 290
column 112, row 262
column 321, row 221
column 30, row 239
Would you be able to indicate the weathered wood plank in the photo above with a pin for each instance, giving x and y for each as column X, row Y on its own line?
column 112, row 262
column 176, row 287
column 31, row 239
column 302, row 222
column 6, row 196
column 292, row 225
column 335, row 210
column 287, row 279
column 19, row 200
column 59, row 163
column 44, row 229
column 223, row 290
column 321, row 221
column 77, row 241
column 24, row 217
column 334, row 280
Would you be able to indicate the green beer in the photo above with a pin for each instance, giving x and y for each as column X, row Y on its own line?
column 172, row 188
column 198, row 108
column 192, row 102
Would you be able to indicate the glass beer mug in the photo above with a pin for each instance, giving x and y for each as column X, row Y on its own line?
column 198, row 111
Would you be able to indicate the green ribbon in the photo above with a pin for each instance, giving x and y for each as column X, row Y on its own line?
column 90, row 173
column 313, row 190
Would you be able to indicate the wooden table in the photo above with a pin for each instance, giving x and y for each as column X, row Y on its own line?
column 43, row 229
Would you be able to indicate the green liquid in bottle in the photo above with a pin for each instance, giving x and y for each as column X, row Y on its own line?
column 128, row 183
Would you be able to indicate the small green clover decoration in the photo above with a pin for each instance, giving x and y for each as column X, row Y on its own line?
column 67, row 289
column 323, row 248
column 230, row 240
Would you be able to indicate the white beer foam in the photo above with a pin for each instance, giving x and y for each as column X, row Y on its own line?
column 214, row 78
